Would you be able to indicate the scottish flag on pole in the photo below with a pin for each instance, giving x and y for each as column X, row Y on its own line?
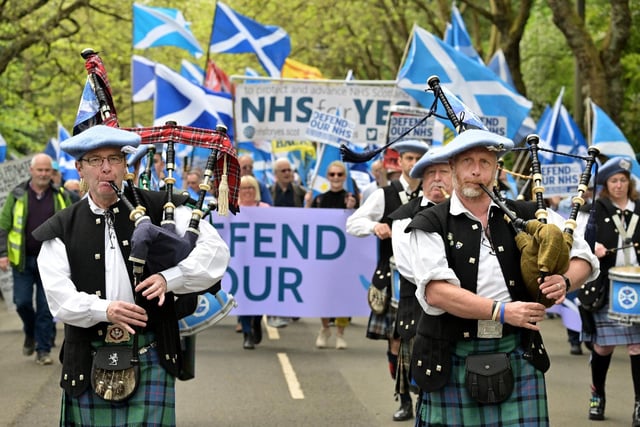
column 190, row 105
column 66, row 163
column 456, row 35
column 143, row 82
column 160, row 26
column 501, row 108
column 558, row 131
column 610, row 140
column 235, row 33
column 498, row 64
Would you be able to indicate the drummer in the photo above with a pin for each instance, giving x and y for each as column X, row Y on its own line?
column 618, row 234
column 87, row 277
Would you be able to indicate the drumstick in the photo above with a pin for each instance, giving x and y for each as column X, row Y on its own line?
column 635, row 245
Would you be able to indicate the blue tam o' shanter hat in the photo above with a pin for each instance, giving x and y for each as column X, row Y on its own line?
column 411, row 146
column 98, row 136
column 474, row 138
column 611, row 167
column 429, row 158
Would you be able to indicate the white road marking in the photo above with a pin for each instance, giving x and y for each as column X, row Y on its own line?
column 290, row 376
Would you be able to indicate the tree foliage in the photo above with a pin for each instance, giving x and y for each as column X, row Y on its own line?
column 42, row 73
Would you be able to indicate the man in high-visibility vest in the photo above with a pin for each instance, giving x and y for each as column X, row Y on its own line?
column 27, row 206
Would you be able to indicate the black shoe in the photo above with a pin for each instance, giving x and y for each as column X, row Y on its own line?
column 576, row 349
column 248, row 342
column 596, row 407
column 635, row 420
column 404, row 413
column 257, row 330
column 29, row 346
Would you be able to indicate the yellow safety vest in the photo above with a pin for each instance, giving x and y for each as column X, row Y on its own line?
column 16, row 236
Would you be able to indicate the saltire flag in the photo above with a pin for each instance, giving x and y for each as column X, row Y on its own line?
column 559, row 132
column 143, row 81
column 297, row 70
column 66, row 163
column 498, row 64
column 457, row 36
column 248, row 71
column 216, row 79
column 235, row 33
column 96, row 104
column 569, row 313
column 609, row 139
column 161, row 26
column 192, row 72
column 3, row 149
column 188, row 104
column 476, row 85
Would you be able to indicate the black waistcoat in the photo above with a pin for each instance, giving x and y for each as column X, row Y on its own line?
column 462, row 237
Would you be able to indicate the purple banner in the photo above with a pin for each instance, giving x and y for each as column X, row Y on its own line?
column 296, row 262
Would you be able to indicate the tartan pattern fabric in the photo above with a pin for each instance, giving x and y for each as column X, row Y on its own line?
column 403, row 385
column 153, row 404
column 452, row 405
column 611, row 332
column 206, row 138
column 95, row 67
column 382, row 326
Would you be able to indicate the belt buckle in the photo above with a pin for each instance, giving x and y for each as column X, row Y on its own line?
column 489, row 329
column 116, row 334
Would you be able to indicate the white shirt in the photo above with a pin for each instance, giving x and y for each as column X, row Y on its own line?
column 428, row 261
column 362, row 221
column 205, row 265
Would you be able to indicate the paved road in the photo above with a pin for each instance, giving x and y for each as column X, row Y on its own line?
column 236, row 387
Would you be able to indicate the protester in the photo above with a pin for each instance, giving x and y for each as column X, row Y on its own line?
column 88, row 277
column 336, row 197
column 617, row 210
column 478, row 312
column 194, row 179
column 246, row 168
column 27, row 206
column 436, row 187
column 373, row 218
column 284, row 192
column 251, row 326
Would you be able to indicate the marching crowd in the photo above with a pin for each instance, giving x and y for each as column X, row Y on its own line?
column 462, row 331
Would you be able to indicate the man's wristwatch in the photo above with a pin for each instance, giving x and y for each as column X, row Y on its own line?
column 567, row 282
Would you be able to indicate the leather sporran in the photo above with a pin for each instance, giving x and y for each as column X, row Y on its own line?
column 114, row 377
column 593, row 295
column 488, row 377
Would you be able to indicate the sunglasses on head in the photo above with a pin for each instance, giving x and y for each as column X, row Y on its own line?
column 336, row 173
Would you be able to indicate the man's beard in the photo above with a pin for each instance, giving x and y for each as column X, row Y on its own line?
column 467, row 190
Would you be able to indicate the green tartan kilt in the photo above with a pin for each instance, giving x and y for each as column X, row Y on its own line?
column 153, row 403
column 453, row 406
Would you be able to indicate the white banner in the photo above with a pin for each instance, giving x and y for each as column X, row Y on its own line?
column 283, row 110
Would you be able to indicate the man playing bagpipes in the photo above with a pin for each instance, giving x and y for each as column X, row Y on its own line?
column 478, row 357
column 121, row 352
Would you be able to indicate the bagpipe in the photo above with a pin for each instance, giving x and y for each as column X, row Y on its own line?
column 544, row 247
column 155, row 248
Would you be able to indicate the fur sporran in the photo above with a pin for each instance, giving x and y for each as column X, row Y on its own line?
column 114, row 375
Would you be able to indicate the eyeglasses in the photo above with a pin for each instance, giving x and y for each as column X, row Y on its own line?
column 247, row 167
column 332, row 174
column 284, row 170
column 96, row 161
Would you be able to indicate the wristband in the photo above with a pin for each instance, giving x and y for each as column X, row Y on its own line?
column 502, row 306
column 567, row 282
column 494, row 310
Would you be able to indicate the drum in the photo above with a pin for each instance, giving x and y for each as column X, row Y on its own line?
column 210, row 310
column 624, row 294
column 395, row 283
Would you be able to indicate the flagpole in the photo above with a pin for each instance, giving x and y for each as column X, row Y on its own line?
column 133, row 114
column 589, row 120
